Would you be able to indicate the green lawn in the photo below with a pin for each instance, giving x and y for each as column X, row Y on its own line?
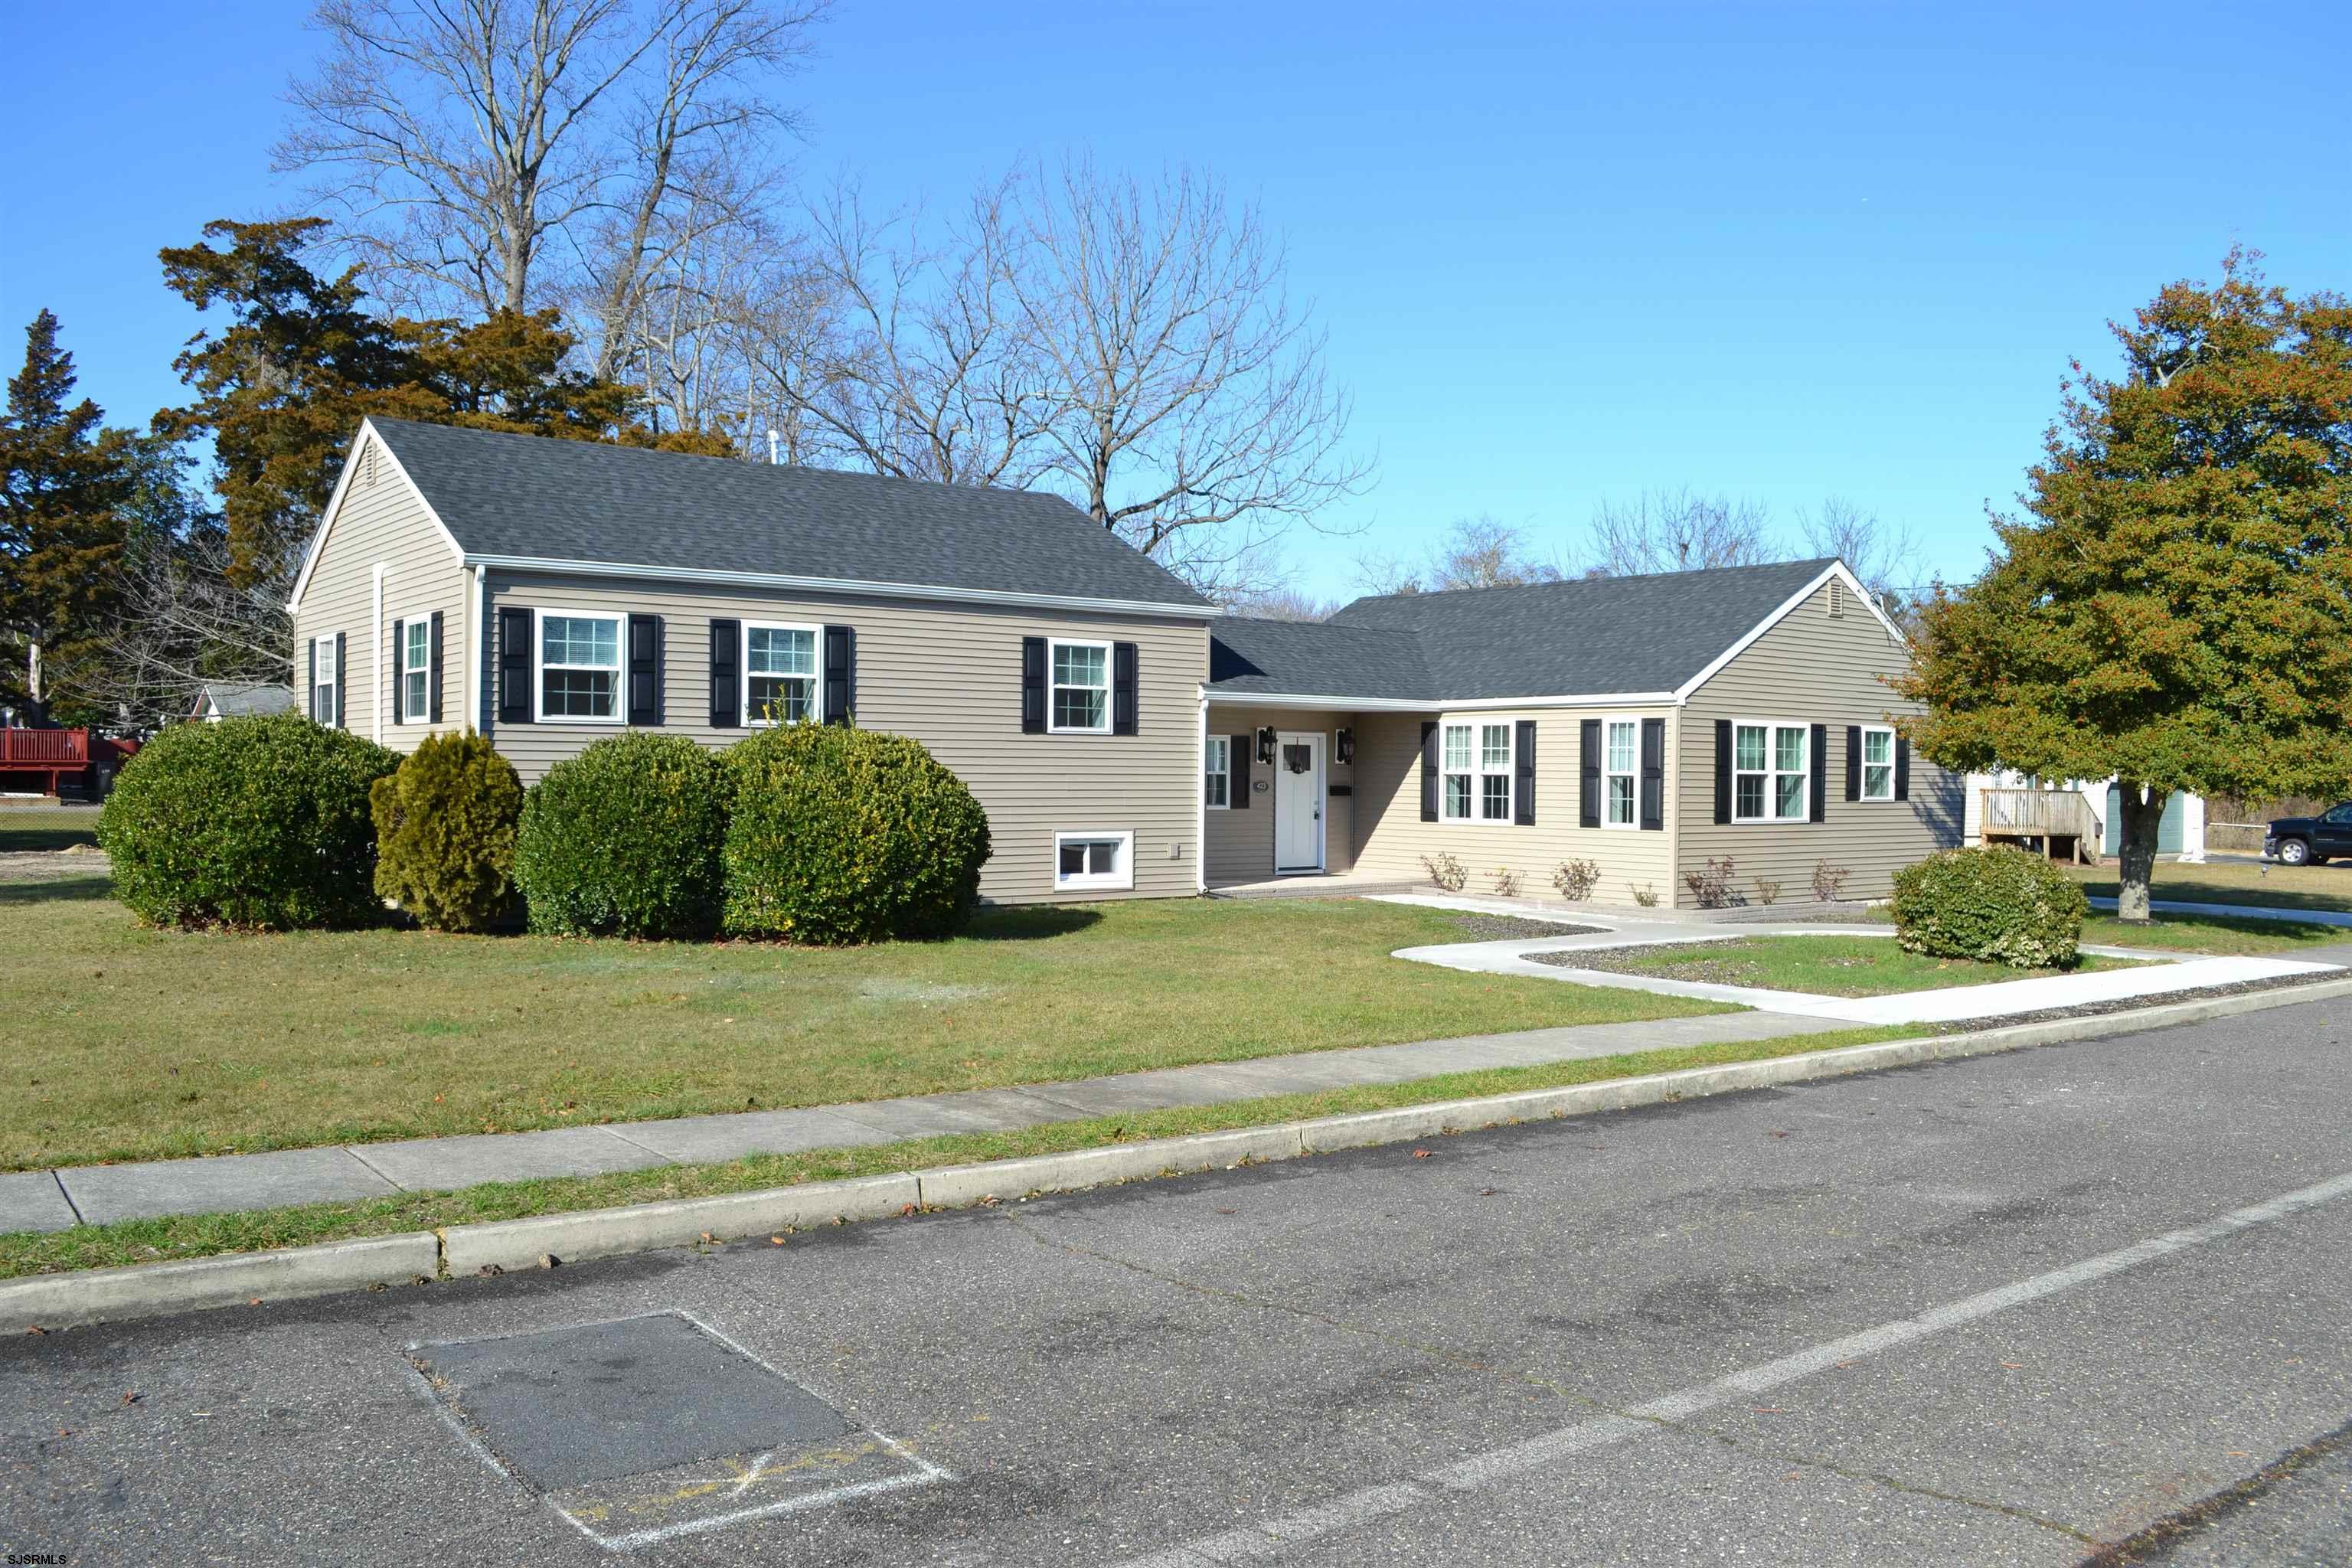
column 1819, row 966
column 199, row 1235
column 145, row 1044
column 25, row 827
column 2224, row 935
column 2325, row 887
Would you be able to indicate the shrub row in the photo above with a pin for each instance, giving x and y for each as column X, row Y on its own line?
column 809, row 833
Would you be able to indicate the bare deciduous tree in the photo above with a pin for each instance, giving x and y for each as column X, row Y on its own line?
column 1193, row 413
column 463, row 138
column 185, row 622
column 905, row 355
column 1480, row 552
column 1678, row 531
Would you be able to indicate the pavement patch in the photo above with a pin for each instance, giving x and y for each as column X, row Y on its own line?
column 642, row 1429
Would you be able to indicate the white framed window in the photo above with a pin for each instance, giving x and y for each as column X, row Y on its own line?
column 322, row 681
column 1877, row 762
column 1494, row 772
column 1770, row 768
column 1621, row 778
column 1079, row 701
column 416, row 672
column 1217, row 780
column 1459, row 778
column 1083, row 860
column 579, row 666
column 780, row 673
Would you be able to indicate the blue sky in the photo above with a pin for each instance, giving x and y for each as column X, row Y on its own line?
column 1562, row 253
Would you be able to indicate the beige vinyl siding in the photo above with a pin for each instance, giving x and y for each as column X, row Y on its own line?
column 948, row 675
column 1391, row 838
column 1813, row 668
column 1241, row 842
column 383, row 522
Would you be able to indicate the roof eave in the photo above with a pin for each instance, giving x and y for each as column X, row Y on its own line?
column 1004, row 597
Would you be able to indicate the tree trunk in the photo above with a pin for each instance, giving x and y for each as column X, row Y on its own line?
column 2137, row 841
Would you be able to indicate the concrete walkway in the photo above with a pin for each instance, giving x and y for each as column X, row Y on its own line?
column 2238, row 912
column 97, row 1194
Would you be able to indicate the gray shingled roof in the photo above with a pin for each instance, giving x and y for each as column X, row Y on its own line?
column 526, row 496
column 1590, row 636
column 235, row 698
column 1304, row 658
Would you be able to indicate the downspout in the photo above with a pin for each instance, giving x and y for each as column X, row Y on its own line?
column 1200, row 804
column 376, row 695
column 477, row 648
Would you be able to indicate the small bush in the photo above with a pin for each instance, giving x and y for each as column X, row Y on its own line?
column 445, row 833
column 249, row 822
column 843, row 835
column 1506, row 882
column 1646, row 895
column 1768, row 888
column 1828, row 881
column 623, row 840
column 1711, row 884
column 1445, row 871
column 1998, row 905
column 1576, row 879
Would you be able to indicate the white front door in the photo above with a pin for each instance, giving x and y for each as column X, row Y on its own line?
column 1298, row 802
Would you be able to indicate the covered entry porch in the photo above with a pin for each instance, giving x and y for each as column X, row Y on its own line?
column 1279, row 796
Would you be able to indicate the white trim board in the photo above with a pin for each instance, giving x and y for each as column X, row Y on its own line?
column 367, row 433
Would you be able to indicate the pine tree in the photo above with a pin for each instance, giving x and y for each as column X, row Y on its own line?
column 63, row 481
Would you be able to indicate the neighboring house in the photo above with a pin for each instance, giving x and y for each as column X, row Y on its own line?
column 234, row 700
column 549, row 593
column 1647, row 724
column 2180, row 832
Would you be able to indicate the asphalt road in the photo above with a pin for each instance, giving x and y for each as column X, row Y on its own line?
column 2033, row 1309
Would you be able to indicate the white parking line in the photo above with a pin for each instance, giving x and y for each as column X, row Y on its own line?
column 1272, row 1536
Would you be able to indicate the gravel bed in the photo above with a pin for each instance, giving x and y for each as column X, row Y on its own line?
column 1636, row 961
column 2132, row 1004
column 1497, row 927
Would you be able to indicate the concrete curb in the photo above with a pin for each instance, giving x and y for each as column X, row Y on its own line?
column 144, row 1290
column 681, row 1222
column 56, row 1301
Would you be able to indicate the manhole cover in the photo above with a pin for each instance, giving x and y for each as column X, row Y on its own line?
column 648, row 1427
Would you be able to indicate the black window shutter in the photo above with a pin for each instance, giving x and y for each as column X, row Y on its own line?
column 1588, row 784
column 1723, row 770
column 1428, row 771
column 1819, row 781
column 1523, row 761
column 726, row 675
column 310, row 679
column 1654, row 775
column 1032, row 685
column 645, row 670
column 399, row 672
column 1854, row 761
column 1903, row 767
column 341, row 702
column 514, row 667
column 1124, row 709
column 433, row 675
column 1237, row 767
column 840, row 673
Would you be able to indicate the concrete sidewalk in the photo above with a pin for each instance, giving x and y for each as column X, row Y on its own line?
column 99, row 1195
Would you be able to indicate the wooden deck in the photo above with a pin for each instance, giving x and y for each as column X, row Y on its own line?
column 2059, row 823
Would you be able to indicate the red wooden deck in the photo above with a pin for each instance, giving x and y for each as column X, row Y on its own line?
column 45, row 758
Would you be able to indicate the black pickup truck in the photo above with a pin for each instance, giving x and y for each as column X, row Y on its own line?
column 2310, row 840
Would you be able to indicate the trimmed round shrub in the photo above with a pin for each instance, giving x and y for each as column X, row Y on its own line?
column 445, row 833
column 260, row 822
column 837, row 835
column 1998, row 905
column 623, row 840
